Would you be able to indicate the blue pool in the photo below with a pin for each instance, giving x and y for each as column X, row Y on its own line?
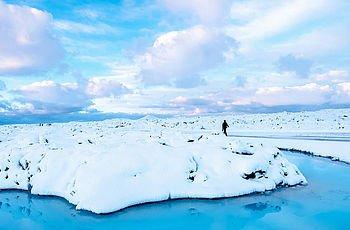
column 323, row 204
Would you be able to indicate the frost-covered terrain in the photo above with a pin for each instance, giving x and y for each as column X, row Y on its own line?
column 323, row 133
column 109, row 165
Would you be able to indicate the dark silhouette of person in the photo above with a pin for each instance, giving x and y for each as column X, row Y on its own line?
column 224, row 127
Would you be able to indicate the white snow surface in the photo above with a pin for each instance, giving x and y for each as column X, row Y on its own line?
column 109, row 165
column 323, row 133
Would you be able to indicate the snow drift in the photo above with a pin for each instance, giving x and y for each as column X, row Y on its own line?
column 110, row 165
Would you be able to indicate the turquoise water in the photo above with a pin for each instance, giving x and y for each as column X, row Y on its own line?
column 323, row 204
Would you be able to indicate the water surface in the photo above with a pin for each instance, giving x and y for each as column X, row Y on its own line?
column 323, row 204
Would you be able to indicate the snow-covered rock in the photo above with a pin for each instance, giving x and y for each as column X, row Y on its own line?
column 109, row 165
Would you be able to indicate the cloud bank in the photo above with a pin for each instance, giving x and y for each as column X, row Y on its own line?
column 27, row 44
column 49, row 97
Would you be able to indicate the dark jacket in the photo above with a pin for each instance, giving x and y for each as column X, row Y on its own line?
column 225, row 125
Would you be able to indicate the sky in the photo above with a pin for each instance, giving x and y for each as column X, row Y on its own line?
column 183, row 57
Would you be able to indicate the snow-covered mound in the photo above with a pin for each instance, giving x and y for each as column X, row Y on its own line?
column 109, row 165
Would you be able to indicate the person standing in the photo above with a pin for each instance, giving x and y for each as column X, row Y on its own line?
column 224, row 127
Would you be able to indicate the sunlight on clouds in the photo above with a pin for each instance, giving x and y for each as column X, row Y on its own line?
column 27, row 44
column 184, row 57
column 48, row 97
column 180, row 56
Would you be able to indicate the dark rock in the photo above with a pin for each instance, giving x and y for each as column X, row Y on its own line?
column 244, row 153
column 257, row 174
column 191, row 178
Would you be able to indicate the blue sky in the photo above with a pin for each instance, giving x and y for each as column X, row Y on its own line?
column 173, row 57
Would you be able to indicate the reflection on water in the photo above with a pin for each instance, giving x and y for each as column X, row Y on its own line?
column 323, row 204
column 263, row 207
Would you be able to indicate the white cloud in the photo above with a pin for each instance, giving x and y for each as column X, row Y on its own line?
column 206, row 11
column 178, row 57
column 342, row 95
column 52, row 97
column 267, row 30
column 2, row 86
column 77, row 27
column 15, row 107
column 101, row 87
column 297, row 64
column 179, row 100
column 89, row 13
column 274, row 17
column 318, row 42
column 333, row 76
column 311, row 93
column 26, row 42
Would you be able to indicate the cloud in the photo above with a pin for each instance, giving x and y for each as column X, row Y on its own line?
column 52, row 97
column 311, row 93
column 267, row 30
column 27, row 44
column 318, row 42
column 299, row 65
column 2, row 86
column 89, row 13
column 179, row 57
column 267, row 99
column 308, row 94
column 180, row 100
column 333, row 76
column 15, row 107
column 261, row 20
column 101, row 87
column 206, row 11
column 77, row 27
column 195, row 106
column 342, row 94
column 48, row 97
column 240, row 81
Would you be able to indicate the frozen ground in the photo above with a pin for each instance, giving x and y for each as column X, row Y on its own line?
column 333, row 148
column 109, row 165
column 323, row 133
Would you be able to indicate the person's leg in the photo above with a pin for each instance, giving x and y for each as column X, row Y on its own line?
column 225, row 132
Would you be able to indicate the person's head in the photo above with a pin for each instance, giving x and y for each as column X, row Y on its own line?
column 225, row 121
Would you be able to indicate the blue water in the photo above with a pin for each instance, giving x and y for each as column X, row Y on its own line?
column 323, row 204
